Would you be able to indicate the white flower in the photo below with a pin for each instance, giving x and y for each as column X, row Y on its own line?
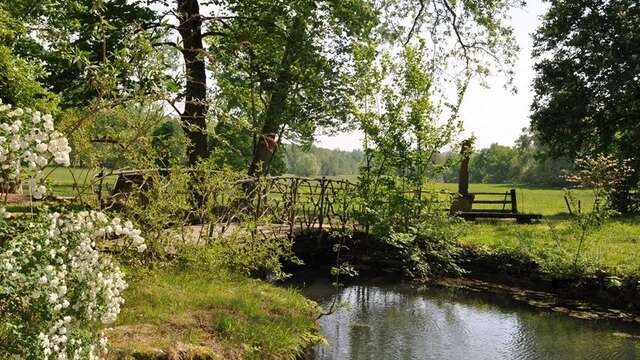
column 42, row 147
column 36, row 117
column 4, row 213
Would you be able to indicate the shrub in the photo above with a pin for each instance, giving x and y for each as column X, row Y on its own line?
column 57, row 289
column 29, row 143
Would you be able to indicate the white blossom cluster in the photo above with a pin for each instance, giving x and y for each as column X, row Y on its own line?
column 54, row 269
column 29, row 143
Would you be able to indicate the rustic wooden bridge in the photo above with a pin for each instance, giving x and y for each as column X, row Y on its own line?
column 291, row 204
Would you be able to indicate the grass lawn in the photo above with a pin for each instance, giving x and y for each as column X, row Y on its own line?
column 65, row 180
column 211, row 313
column 536, row 200
column 615, row 248
column 545, row 201
column 531, row 199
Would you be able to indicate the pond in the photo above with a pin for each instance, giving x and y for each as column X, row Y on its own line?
column 397, row 321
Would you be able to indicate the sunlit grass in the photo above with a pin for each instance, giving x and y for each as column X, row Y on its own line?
column 233, row 315
column 553, row 244
column 530, row 199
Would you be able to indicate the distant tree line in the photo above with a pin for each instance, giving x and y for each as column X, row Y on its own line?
column 317, row 161
column 518, row 164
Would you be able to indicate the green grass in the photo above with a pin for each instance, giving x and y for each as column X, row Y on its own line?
column 70, row 181
column 543, row 201
column 613, row 249
column 210, row 310
column 531, row 199
column 536, row 200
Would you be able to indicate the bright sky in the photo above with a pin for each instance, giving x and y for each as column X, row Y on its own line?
column 493, row 115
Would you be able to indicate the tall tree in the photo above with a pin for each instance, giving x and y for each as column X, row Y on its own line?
column 284, row 70
column 195, row 90
column 587, row 86
column 100, row 54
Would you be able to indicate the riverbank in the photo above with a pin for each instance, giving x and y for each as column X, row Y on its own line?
column 531, row 257
column 545, row 257
column 182, row 312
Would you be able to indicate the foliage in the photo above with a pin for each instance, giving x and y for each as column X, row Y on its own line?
column 602, row 174
column 518, row 164
column 90, row 46
column 19, row 84
column 492, row 165
column 285, row 69
column 28, row 143
column 400, row 144
column 587, row 79
column 128, row 136
column 58, row 290
column 463, row 37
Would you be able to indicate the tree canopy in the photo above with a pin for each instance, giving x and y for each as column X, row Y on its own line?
column 241, row 76
column 587, row 86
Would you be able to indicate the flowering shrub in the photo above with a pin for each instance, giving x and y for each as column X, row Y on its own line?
column 29, row 141
column 57, row 290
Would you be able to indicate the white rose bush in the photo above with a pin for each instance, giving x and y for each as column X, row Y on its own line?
column 57, row 289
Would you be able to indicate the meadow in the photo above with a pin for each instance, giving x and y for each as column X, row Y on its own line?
column 531, row 199
column 536, row 200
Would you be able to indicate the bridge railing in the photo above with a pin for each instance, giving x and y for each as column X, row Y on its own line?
column 291, row 203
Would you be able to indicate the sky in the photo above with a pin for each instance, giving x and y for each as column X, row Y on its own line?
column 494, row 114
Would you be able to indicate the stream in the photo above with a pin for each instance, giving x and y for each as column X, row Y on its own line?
column 380, row 320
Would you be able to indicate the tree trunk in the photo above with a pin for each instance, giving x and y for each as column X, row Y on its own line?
column 196, row 106
column 273, row 119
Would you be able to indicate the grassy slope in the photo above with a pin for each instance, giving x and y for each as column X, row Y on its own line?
column 210, row 312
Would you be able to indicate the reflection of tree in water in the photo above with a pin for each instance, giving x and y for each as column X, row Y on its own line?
column 401, row 323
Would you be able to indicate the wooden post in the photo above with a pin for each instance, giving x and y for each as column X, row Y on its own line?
column 292, row 206
column 566, row 201
column 321, row 207
column 514, row 203
column 463, row 176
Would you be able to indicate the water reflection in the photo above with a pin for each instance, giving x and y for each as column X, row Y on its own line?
column 400, row 322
